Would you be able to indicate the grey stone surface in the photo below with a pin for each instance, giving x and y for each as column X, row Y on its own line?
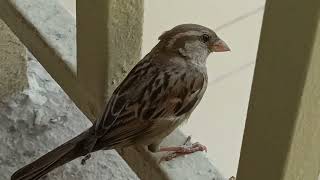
column 39, row 119
column 55, row 26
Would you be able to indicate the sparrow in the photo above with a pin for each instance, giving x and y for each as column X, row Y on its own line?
column 156, row 96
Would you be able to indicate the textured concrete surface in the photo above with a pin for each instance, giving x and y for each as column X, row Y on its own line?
column 13, row 68
column 108, row 45
column 39, row 119
column 125, row 29
column 54, row 25
column 46, row 41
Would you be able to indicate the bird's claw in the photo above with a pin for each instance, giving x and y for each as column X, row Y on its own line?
column 187, row 148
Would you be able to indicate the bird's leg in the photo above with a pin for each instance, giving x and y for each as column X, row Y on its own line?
column 232, row 178
column 186, row 148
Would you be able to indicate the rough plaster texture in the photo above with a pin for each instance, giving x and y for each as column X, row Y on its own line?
column 39, row 119
column 125, row 29
column 54, row 25
column 13, row 76
column 108, row 44
column 49, row 32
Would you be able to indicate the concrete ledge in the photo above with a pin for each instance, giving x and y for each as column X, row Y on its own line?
column 39, row 119
column 50, row 36
column 50, row 51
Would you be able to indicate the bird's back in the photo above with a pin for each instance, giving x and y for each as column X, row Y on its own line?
column 154, row 98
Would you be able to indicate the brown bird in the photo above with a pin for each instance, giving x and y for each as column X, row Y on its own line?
column 158, row 94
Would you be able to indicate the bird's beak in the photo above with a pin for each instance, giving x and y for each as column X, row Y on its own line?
column 219, row 46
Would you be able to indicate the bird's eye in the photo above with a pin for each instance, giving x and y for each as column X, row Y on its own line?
column 205, row 38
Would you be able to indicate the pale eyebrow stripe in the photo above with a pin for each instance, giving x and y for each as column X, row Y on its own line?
column 177, row 36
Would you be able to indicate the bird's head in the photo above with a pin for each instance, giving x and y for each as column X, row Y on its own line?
column 193, row 41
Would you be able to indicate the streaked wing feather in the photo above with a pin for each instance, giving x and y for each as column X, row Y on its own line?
column 132, row 109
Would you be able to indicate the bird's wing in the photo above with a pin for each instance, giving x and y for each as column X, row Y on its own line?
column 148, row 94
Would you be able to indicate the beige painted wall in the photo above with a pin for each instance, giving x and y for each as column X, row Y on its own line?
column 13, row 68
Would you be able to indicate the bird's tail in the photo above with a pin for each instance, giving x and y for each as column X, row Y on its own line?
column 57, row 157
